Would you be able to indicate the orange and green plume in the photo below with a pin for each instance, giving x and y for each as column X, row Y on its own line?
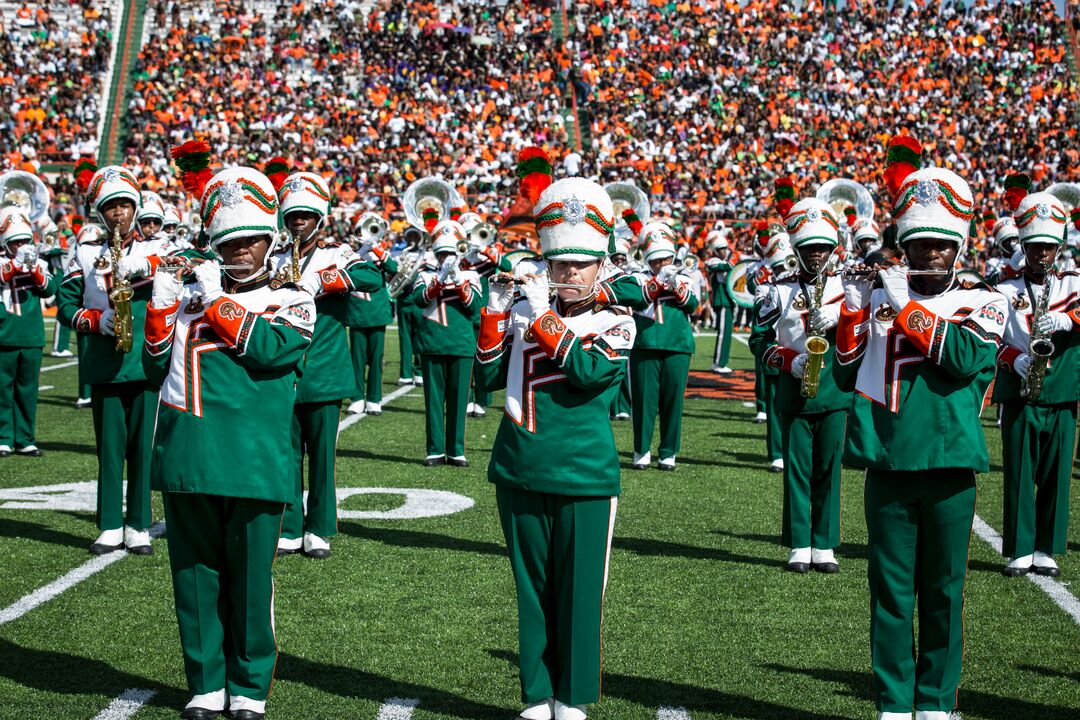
column 903, row 157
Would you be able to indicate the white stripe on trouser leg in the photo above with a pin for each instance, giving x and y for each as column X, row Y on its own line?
column 610, row 534
column 719, row 335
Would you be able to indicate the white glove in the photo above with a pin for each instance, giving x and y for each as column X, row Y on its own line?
column 133, row 267
column 444, row 269
column 667, row 275
column 312, row 283
column 824, row 319
column 895, row 282
column 107, row 324
column 208, row 280
column 26, row 256
column 857, row 291
column 454, row 276
column 500, row 297
column 1053, row 322
column 538, row 293
column 1017, row 260
column 798, row 365
column 1022, row 365
column 167, row 288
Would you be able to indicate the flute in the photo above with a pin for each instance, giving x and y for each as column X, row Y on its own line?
column 870, row 271
column 503, row 279
column 182, row 263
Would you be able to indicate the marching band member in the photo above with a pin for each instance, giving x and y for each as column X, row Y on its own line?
column 812, row 427
column 329, row 270
column 866, row 235
column 449, row 297
column 151, row 215
column 774, row 249
column 660, row 362
column 1007, row 262
column 122, row 403
column 52, row 246
column 218, row 457
column 409, row 317
column 24, row 281
column 1038, row 396
column 617, row 267
column 718, row 266
column 367, row 315
column 920, row 353
column 561, row 361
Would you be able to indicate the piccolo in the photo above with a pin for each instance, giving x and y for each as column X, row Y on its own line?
column 871, row 271
column 503, row 279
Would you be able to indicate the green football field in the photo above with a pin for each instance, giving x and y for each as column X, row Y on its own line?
column 417, row 615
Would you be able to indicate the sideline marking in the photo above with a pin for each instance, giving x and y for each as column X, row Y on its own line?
column 65, row 582
column 351, row 420
column 396, row 708
column 126, row 705
column 60, row 366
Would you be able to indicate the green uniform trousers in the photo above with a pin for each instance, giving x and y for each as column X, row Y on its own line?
column 774, row 442
column 621, row 403
column 221, row 552
column 80, row 346
column 1037, row 455
column 366, row 345
column 314, row 433
column 124, row 416
column 559, row 548
column 658, row 382
column 409, row 351
column 446, row 394
column 725, row 319
column 480, row 397
column 919, row 529
column 61, row 337
column 20, row 370
column 759, row 386
column 813, row 445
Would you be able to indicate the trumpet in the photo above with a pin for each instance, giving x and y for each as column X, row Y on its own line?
column 689, row 264
column 462, row 248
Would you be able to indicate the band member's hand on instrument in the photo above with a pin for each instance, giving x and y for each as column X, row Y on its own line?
column 380, row 251
column 25, row 257
column 444, row 269
column 208, row 279
column 824, row 319
column 167, row 287
column 490, row 253
column 1022, row 364
column 668, row 276
column 107, row 322
column 130, row 267
column 500, row 297
column 1052, row 322
column 798, row 364
column 895, row 282
column 1016, row 261
column 858, row 284
column 453, row 277
column 538, row 293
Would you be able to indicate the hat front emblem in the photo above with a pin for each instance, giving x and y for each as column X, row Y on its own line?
column 927, row 192
column 573, row 210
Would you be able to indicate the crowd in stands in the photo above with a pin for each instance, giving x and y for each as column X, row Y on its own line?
column 53, row 62
column 701, row 102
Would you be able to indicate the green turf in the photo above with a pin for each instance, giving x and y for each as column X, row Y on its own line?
column 698, row 612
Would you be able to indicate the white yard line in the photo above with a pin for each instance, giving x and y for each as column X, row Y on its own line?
column 397, row 709
column 1057, row 592
column 667, row 712
column 353, row 419
column 43, row 388
column 126, row 705
column 47, row 592
column 60, row 366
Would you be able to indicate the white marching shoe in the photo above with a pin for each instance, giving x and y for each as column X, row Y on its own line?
column 479, row 411
column 108, row 541
column 1018, row 566
column 761, row 417
column 1044, row 564
column 289, row 546
column 932, row 714
column 417, row 380
column 777, row 465
column 83, row 403
column 138, row 541
column 61, row 354
column 543, row 710
column 356, row 407
column 404, row 381
column 373, row 408
column 642, row 462
column 798, row 560
column 893, row 716
column 824, row 561
column 212, row 701
column 239, row 702
column 316, row 547
column 667, row 464
column 721, row 369
column 569, row 712
column 470, row 409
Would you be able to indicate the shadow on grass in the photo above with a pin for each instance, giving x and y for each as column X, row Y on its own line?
column 662, row 548
column 42, row 533
column 985, row 705
column 417, row 539
column 356, row 683
column 367, row 455
column 77, row 448
column 1050, row 672
column 652, row 693
column 58, row 672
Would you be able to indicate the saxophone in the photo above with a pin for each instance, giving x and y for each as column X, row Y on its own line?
column 294, row 269
column 1040, row 347
column 120, row 295
column 816, row 347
